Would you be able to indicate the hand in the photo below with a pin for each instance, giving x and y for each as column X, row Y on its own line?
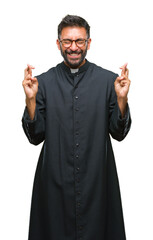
column 122, row 83
column 29, row 83
column 30, row 86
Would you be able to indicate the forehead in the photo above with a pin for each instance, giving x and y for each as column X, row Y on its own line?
column 73, row 33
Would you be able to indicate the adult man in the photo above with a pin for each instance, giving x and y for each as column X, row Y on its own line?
column 76, row 192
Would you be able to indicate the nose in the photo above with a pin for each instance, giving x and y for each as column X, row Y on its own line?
column 74, row 47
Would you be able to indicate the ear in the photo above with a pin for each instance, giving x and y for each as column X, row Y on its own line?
column 58, row 44
column 89, row 42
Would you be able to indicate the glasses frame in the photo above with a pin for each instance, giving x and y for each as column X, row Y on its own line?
column 71, row 41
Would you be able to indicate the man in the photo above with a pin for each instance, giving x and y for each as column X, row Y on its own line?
column 73, row 110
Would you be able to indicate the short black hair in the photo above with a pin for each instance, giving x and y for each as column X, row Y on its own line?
column 73, row 20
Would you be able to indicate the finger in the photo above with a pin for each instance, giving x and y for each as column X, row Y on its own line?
column 124, row 82
column 119, row 79
column 33, row 79
column 25, row 72
column 124, row 67
column 29, row 69
column 29, row 77
column 30, row 66
column 127, row 72
column 27, row 83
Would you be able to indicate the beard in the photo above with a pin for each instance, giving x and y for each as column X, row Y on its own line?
column 76, row 62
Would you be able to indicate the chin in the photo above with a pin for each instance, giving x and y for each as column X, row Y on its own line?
column 73, row 64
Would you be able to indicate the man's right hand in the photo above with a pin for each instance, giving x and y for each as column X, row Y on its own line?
column 30, row 86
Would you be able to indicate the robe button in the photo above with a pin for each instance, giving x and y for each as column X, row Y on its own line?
column 76, row 97
column 80, row 227
column 77, row 144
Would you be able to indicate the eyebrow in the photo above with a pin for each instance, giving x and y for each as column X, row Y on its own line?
column 74, row 39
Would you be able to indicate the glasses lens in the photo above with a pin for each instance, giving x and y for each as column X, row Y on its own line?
column 66, row 43
column 80, row 42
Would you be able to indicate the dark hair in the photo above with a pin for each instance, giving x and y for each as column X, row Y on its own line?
column 73, row 20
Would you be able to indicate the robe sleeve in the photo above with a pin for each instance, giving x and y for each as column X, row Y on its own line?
column 118, row 126
column 35, row 129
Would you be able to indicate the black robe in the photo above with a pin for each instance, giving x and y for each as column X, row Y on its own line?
column 76, row 192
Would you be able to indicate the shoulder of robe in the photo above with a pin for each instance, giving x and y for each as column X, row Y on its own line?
column 109, row 75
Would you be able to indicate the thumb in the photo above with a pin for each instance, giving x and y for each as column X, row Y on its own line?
column 119, row 79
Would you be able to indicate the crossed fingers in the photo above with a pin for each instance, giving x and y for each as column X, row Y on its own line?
column 28, row 79
column 28, row 71
column 125, row 71
column 124, row 78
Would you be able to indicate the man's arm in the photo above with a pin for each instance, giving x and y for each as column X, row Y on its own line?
column 120, row 120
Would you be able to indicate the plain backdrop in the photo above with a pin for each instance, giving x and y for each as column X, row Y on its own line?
column 121, row 32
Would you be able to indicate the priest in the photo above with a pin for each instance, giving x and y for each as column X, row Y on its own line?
column 73, row 109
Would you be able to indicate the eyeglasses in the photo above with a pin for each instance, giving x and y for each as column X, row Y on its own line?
column 68, row 42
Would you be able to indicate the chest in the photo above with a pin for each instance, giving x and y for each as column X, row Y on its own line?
column 77, row 91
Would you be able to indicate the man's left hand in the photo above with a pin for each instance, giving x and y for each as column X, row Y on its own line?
column 122, row 83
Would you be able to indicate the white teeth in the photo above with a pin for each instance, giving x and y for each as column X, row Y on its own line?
column 74, row 54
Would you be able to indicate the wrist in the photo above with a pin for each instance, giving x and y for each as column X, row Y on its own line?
column 122, row 99
column 122, row 103
column 30, row 101
column 31, row 106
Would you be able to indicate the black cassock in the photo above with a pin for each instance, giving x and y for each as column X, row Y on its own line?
column 76, row 192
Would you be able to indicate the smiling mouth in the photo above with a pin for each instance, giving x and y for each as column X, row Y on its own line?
column 73, row 55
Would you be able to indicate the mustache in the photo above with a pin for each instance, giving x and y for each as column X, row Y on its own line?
column 73, row 52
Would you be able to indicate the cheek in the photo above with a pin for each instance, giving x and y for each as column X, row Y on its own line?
column 61, row 49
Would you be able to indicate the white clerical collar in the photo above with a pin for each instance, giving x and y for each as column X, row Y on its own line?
column 74, row 70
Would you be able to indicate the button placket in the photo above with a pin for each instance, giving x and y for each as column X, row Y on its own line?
column 77, row 171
